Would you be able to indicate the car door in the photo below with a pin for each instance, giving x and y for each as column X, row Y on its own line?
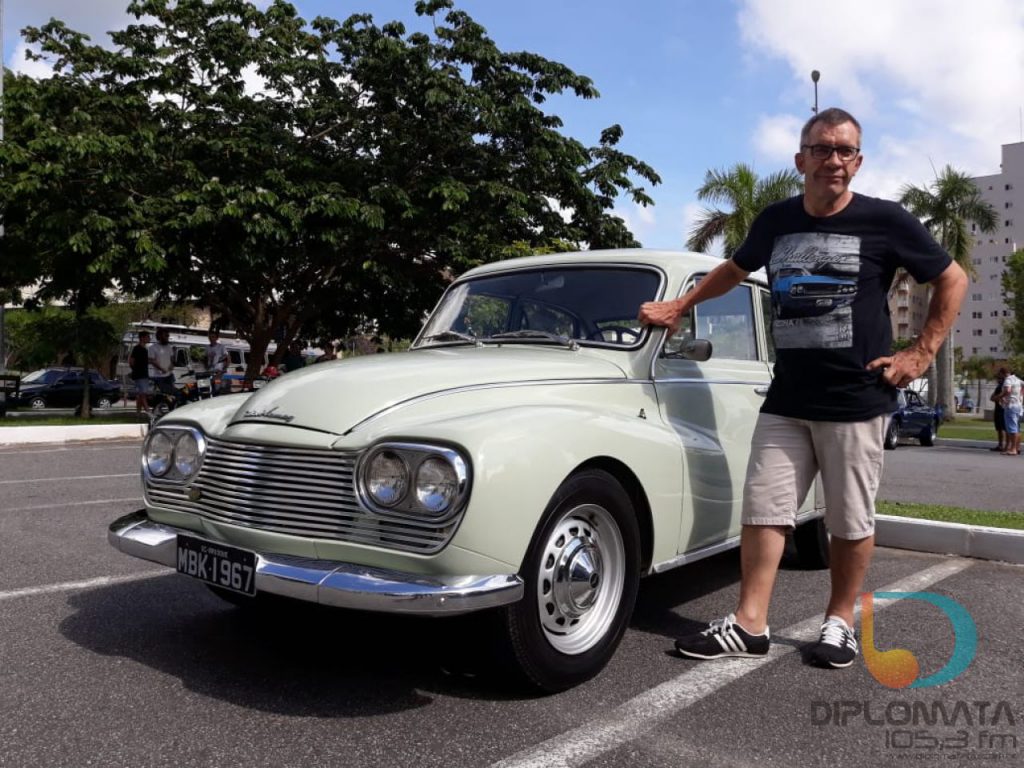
column 712, row 406
column 67, row 393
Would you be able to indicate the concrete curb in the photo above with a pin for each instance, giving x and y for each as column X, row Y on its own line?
column 950, row 538
column 70, row 434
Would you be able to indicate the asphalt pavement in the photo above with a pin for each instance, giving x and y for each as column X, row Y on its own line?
column 106, row 660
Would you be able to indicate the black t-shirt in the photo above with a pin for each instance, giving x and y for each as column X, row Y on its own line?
column 829, row 278
column 139, row 362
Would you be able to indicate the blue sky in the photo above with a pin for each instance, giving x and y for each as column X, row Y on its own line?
column 705, row 84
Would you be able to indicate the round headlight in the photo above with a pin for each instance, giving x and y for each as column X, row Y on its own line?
column 159, row 451
column 187, row 455
column 436, row 485
column 387, row 478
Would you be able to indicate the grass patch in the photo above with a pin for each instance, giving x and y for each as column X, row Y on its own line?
column 993, row 519
column 969, row 429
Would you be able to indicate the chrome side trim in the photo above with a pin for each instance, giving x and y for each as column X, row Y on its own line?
column 328, row 582
column 723, row 546
column 747, row 382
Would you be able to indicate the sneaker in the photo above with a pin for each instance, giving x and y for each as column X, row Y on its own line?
column 723, row 638
column 837, row 646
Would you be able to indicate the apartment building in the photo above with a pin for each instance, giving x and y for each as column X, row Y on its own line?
column 979, row 328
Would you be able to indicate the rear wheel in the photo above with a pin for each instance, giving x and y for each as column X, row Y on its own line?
column 812, row 545
column 581, row 575
column 892, row 435
column 928, row 435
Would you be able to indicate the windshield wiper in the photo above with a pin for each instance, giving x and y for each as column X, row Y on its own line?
column 565, row 341
column 452, row 336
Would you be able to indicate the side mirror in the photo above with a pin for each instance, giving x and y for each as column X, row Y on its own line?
column 688, row 349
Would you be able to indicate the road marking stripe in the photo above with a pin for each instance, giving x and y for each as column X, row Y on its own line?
column 73, row 586
column 137, row 499
column 62, row 479
column 642, row 713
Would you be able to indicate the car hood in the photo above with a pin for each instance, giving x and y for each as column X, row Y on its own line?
column 336, row 396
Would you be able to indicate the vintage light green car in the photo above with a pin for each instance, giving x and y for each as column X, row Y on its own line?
column 535, row 452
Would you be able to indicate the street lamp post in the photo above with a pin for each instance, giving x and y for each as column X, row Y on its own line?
column 815, row 74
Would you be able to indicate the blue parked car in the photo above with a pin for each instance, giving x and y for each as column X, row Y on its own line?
column 913, row 418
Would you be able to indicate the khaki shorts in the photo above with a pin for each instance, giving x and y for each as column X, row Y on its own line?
column 785, row 456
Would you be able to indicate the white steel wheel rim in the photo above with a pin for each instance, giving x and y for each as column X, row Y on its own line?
column 580, row 579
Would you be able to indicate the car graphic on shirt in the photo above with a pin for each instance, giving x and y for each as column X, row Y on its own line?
column 798, row 293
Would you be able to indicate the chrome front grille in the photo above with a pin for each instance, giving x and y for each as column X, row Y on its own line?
column 297, row 491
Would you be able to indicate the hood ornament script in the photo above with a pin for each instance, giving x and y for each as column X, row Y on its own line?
column 271, row 414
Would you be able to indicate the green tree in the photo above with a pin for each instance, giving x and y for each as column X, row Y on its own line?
column 947, row 207
column 1013, row 295
column 290, row 174
column 747, row 195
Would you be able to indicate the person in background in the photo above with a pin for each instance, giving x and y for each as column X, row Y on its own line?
column 161, row 363
column 1012, row 408
column 329, row 353
column 138, row 361
column 998, row 414
column 216, row 361
column 293, row 359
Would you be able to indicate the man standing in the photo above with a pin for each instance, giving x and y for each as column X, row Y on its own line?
column 138, row 361
column 161, row 363
column 835, row 377
column 216, row 360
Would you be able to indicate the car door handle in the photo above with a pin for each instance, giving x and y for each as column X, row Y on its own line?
column 762, row 391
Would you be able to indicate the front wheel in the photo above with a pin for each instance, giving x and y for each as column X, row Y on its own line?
column 104, row 402
column 36, row 403
column 581, row 576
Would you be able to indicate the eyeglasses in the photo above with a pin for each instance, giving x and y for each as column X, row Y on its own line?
column 824, row 151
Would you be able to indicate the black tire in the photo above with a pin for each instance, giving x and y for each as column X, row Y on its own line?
column 104, row 402
column 160, row 410
column 892, row 436
column 37, row 402
column 812, row 545
column 589, row 530
column 928, row 435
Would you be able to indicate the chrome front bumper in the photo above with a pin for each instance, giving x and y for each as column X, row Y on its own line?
column 342, row 585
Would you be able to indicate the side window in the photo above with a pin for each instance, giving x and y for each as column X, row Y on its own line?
column 766, row 315
column 728, row 323
column 235, row 356
column 180, row 357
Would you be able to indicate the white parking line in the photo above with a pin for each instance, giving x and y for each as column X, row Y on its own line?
column 642, row 713
column 74, row 586
column 62, row 479
column 137, row 499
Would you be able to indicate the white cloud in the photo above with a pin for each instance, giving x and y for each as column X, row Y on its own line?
column 95, row 18
column 19, row 62
column 932, row 83
column 776, row 137
column 639, row 219
column 690, row 212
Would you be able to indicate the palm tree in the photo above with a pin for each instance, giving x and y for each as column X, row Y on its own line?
column 946, row 207
column 747, row 194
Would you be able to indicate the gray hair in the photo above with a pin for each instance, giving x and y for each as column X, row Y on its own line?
column 832, row 116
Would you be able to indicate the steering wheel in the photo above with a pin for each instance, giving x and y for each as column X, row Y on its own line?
column 623, row 335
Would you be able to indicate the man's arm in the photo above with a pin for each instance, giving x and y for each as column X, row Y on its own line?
column 948, row 291
column 720, row 280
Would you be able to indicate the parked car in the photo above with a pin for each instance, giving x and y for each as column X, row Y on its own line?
column 913, row 418
column 535, row 452
column 798, row 293
column 62, row 388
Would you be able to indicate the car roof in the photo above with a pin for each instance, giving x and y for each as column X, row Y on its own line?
column 675, row 264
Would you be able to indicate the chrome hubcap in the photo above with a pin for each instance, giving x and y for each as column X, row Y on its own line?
column 580, row 580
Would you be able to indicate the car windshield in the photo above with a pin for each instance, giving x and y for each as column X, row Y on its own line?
column 42, row 376
column 553, row 305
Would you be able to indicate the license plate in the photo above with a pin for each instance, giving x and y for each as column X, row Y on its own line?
column 258, row 383
column 217, row 564
column 203, row 382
